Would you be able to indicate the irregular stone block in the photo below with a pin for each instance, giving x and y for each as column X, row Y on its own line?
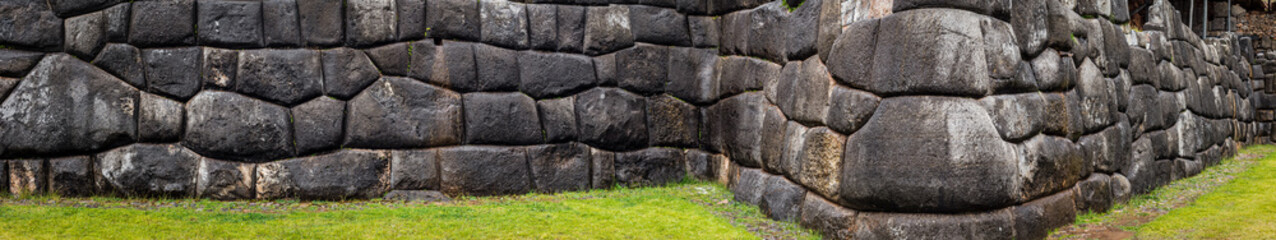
column 372, row 22
column 650, row 167
column 850, row 109
column 819, row 159
column 919, row 60
column 985, row 225
column 232, row 126
column 221, row 67
column 804, row 95
column 743, row 74
column 1003, row 57
column 558, row 116
column 1094, row 194
column 230, row 23
column 149, row 170
column 749, row 184
column 672, row 122
column 173, row 72
column 223, row 180
column 735, row 32
column 497, row 69
column 930, row 154
column 280, row 23
column 767, row 37
column 605, row 69
column 117, row 22
column 542, row 28
column 283, row 76
column 121, row 60
column 812, row 28
column 607, row 29
column 831, row 220
column 560, row 167
column 1031, row 25
column 1036, row 219
column 27, row 177
column 504, row 23
column 317, row 125
column 403, row 113
column 704, row 30
column 162, row 23
column 37, row 27
column 1121, row 188
column 340, row 175
column 159, row 119
column 501, row 118
column 603, row 168
column 16, row 63
column 658, row 25
column 451, row 65
column 414, row 169
column 85, row 34
column 612, row 119
column 320, row 23
column 693, row 75
column 393, row 59
column 453, row 19
column 572, row 24
column 346, row 72
column 1017, row 117
column 65, row 8
column 734, row 127
column 1050, row 164
column 72, row 176
column 66, row 105
column 484, row 171
column 643, row 68
column 1054, row 72
column 1097, row 98
column 782, row 199
column 410, row 15
column 793, row 135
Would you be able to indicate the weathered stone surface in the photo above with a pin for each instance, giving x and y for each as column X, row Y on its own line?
column 85, row 34
column 734, row 127
column 410, row 16
column 833, row 221
column 453, row 19
column 346, row 72
column 225, row 125
column 340, row 175
column 67, row 105
column 542, row 26
column 767, row 37
column 607, row 29
column 749, row 184
column 317, row 125
column 392, row 59
column 1094, row 194
column 319, row 26
column 403, row 113
column 16, row 63
column 782, row 200
column 612, row 119
column 985, row 225
column 735, row 33
column 571, row 28
column 693, row 75
column 27, row 177
column 1097, row 98
column 284, row 76
column 230, row 23
column 451, row 65
column 811, row 27
column 643, row 68
column 224, row 180
column 72, row 176
column 805, row 92
column 117, row 22
column 30, row 23
column 558, row 118
column 1017, row 117
column 417, row 196
column 483, row 171
column 1036, row 219
column 932, row 154
column 658, row 25
column 742, row 74
column 1066, row 118
column 1049, row 164
column 173, row 72
column 1054, row 72
column 149, row 170
column 162, row 23
column 704, row 30
column 650, row 167
column 501, row 118
column 67, row 8
column 1121, row 188
column 792, row 140
column 672, row 122
column 504, row 23
column 919, row 60
column 1003, row 57
column 7, row 84
column 414, row 169
column 560, row 167
column 159, row 119
column 1031, row 26
column 220, row 68
column 820, row 157
column 497, row 69
column 122, row 60
column 603, row 168
column 371, row 22
column 704, row 165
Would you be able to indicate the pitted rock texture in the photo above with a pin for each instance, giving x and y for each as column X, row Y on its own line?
column 937, row 119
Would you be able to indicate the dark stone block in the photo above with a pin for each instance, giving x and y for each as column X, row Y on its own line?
column 605, row 69
column 501, row 118
column 16, row 63
column 159, row 119
column 767, row 37
column 280, row 23
column 607, row 29
column 743, row 74
column 341, row 175
column 804, row 93
column 560, row 167
column 117, row 22
column 403, row 113
column 693, row 75
column 782, row 199
column 1018, row 116
column 833, row 221
column 735, row 33
column 930, row 62
column 504, row 23
column 162, row 23
column 558, row 116
column 393, row 59
column 850, row 109
column 414, row 169
column 317, row 125
column 1031, row 25
column 749, row 184
column 72, row 176
column 67, row 8
column 643, row 68
column 612, row 119
column 220, row 68
column 173, row 72
column 1094, row 194
column 453, row 19
column 603, row 168
column 704, row 31
column 497, row 69
column 148, row 170
column 451, row 65
column 1098, row 104
column 66, row 105
column 983, row 225
column 283, row 76
column 484, row 171
column 650, row 167
column 85, row 35
column 811, row 28
column 223, row 180
column 542, row 20
column 779, row 139
column 30, row 24
column 1036, row 219
column 672, row 122
column 122, row 60
column 230, row 23
column 734, row 127
column 232, row 126
column 658, row 25
column 27, row 177
column 346, row 72
column 411, row 19
column 571, row 28
column 547, row 75
column 321, row 22
column 1055, row 164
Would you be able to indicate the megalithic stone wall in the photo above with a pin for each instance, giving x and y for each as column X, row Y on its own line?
column 867, row 119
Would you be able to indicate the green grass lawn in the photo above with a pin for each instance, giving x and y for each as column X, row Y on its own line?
column 1244, row 208
column 682, row 211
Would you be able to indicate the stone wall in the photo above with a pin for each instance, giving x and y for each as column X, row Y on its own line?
column 961, row 119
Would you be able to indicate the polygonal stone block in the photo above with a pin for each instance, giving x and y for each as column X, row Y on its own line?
column 162, row 23
column 820, row 157
column 159, row 119
column 672, row 122
column 27, row 177
column 1036, row 219
column 147, row 170
column 85, row 34
column 283, row 76
column 501, row 118
column 371, row 22
column 1051, row 164
column 560, row 167
column 497, row 69
column 236, row 127
column 547, row 75
column 317, row 125
column 122, row 60
column 650, row 167
column 607, row 29
column 782, row 200
column 602, row 168
column 504, row 23
column 224, row 180
column 658, row 25
column 72, row 176
column 1016, row 116
column 835, row 222
column 558, row 116
column 67, row 105
column 392, row 59
column 347, row 72
column 850, row 109
column 37, row 27
column 220, row 68
column 320, row 22
column 643, row 68
column 805, row 92
column 734, row 127
column 67, row 8
column 484, row 170
column 340, row 175
column 612, row 119
column 704, row 30
column 230, row 23
column 915, row 59
column 693, row 75
column 453, row 19
column 280, row 27
column 542, row 28
column 571, row 28
column 411, row 19
column 981, row 225
column 403, row 113
column 414, row 169
column 173, row 72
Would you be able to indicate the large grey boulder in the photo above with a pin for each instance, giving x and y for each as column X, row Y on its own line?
column 1017, row 116
column 560, row 167
column 173, row 72
column 85, row 34
column 403, row 113
column 319, row 22
column 231, row 126
column 318, row 125
column 734, row 127
column 284, row 76
column 501, row 118
column 504, row 23
column 914, row 58
column 693, row 75
column 672, row 122
column 818, row 160
column 453, row 19
column 280, row 26
column 1049, row 164
column 340, row 175
column 414, row 169
column 484, row 170
column 67, row 105
column 658, row 25
column 929, row 154
column 149, row 170
column 558, row 116
column 782, row 200
column 371, row 22
column 612, row 119
column 643, row 69
column 805, row 91
column 607, row 29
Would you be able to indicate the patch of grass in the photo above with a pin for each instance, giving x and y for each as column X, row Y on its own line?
column 1244, row 208
column 682, row 211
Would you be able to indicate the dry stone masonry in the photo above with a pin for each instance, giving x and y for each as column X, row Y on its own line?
column 971, row 119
